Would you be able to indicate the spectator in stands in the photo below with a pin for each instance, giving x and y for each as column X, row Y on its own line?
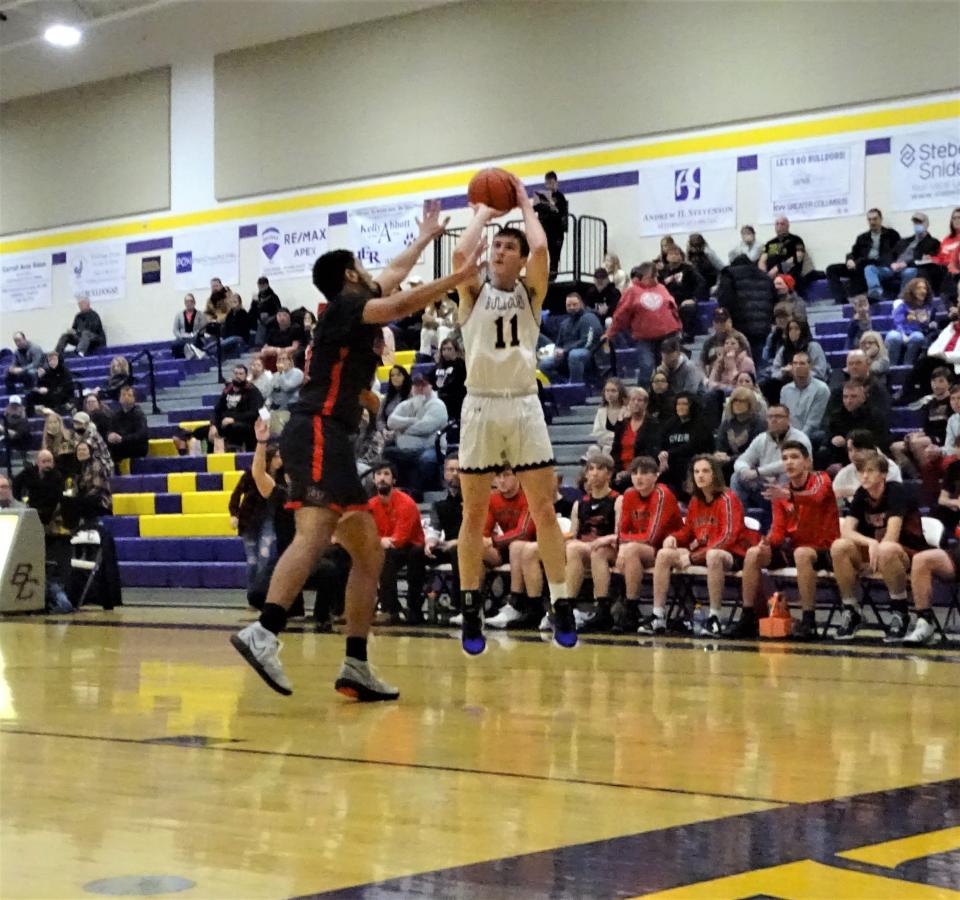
column 645, row 315
column 761, row 464
column 446, row 516
column 416, row 422
column 437, row 324
column 235, row 329
column 263, row 308
column 86, row 431
column 449, row 378
column 188, row 325
column 686, row 287
column 236, row 410
column 284, row 391
column 603, row 295
column 613, row 409
column 749, row 296
column 281, row 334
column 805, row 526
column 660, row 400
column 722, row 329
column 260, row 377
column 27, row 359
column 947, row 509
column 647, row 512
column 871, row 343
column 16, row 427
column 118, row 377
column 861, row 322
column 552, row 210
column 577, row 341
column 951, row 441
column 784, row 287
column 919, row 449
column 873, row 247
column 634, row 435
column 399, row 385
column 858, row 370
column 216, row 308
column 880, row 533
column 907, row 255
column 949, row 259
column 734, row 359
column 682, row 373
column 704, row 259
column 129, row 436
column 251, row 516
column 854, row 414
column 100, row 416
column 93, row 495
column 785, row 254
column 806, row 398
column 913, row 322
column 740, row 424
column 774, row 341
column 86, row 332
column 797, row 339
column 747, row 247
column 401, row 534
column 713, row 534
column 847, row 480
column 55, row 388
column 594, row 542
column 682, row 438
column 666, row 242
column 7, row 500
column 611, row 264
column 746, row 380
column 60, row 441
column 40, row 486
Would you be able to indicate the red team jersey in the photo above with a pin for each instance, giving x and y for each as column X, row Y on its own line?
column 649, row 520
column 809, row 518
column 714, row 526
column 513, row 517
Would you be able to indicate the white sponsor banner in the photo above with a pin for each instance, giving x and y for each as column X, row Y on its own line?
column 99, row 271
column 288, row 246
column 699, row 195
column 204, row 254
column 925, row 168
column 815, row 182
column 379, row 233
column 25, row 281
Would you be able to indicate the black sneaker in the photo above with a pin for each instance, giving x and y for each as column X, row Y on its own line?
column 849, row 624
column 652, row 625
column 745, row 628
column 897, row 628
column 806, row 630
column 564, row 624
column 471, row 636
column 600, row 622
column 626, row 618
column 712, row 627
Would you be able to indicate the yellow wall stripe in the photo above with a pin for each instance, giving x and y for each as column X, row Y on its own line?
column 456, row 180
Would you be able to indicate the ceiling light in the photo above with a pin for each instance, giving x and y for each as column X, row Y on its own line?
column 62, row 35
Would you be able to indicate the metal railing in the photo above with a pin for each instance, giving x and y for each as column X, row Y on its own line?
column 151, row 376
column 591, row 245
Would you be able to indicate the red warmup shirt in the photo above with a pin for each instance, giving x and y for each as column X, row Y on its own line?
column 649, row 520
column 949, row 254
column 714, row 526
column 810, row 518
column 398, row 519
column 513, row 517
column 647, row 313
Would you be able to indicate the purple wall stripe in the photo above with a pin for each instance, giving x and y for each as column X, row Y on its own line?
column 59, row 258
column 337, row 218
column 164, row 243
column 248, row 231
column 747, row 163
column 876, row 146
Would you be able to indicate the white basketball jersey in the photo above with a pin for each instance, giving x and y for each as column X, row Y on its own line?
column 500, row 342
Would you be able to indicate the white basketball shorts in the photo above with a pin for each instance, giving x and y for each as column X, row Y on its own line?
column 503, row 431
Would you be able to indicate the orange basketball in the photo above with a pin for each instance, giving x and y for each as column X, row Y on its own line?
column 493, row 187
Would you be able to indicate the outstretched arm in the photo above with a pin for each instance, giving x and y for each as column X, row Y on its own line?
column 399, row 267
column 538, row 262
column 466, row 246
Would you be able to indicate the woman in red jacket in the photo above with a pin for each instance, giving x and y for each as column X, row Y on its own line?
column 713, row 535
column 949, row 258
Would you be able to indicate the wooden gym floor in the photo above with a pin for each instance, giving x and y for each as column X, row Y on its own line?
column 135, row 744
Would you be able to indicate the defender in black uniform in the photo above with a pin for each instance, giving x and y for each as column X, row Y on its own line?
column 316, row 446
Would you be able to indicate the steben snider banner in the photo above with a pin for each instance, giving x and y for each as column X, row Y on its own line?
column 925, row 168
column 695, row 195
column 819, row 181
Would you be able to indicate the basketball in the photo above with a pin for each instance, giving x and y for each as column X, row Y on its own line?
column 494, row 188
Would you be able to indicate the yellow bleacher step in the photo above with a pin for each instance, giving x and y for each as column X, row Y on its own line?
column 133, row 504
column 221, row 462
column 193, row 502
column 195, row 525
column 162, row 447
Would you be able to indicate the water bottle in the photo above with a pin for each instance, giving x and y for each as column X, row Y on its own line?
column 699, row 620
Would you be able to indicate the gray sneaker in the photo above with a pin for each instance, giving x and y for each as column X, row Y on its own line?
column 357, row 682
column 260, row 648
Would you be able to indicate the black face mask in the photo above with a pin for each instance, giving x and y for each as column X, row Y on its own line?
column 383, row 489
column 239, row 382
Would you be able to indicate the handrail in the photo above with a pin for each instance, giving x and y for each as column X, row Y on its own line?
column 151, row 375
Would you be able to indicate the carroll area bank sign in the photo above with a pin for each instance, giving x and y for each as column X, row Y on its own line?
column 925, row 168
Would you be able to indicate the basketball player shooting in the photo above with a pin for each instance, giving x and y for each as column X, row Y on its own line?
column 502, row 421
column 317, row 449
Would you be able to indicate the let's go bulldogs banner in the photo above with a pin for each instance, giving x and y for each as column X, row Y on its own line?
column 288, row 246
column 697, row 195
column 204, row 254
column 925, row 168
column 379, row 233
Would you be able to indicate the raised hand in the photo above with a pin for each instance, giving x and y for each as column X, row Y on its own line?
column 523, row 199
column 261, row 429
column 430, row 225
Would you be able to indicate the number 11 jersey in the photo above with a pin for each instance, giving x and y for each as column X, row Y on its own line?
column 500, row 343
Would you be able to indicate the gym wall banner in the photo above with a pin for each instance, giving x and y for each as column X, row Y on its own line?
column 204, row 254
column 695, row 195
column 379, row 233
column 98, row 271
column 25, row 281
column 925, row 169
column 288, row 246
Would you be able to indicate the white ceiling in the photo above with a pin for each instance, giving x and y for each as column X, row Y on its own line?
column 124, row 36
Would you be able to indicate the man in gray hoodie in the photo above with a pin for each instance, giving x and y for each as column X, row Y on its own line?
column 416, row 422
column 27, row 358
column 577, row 340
